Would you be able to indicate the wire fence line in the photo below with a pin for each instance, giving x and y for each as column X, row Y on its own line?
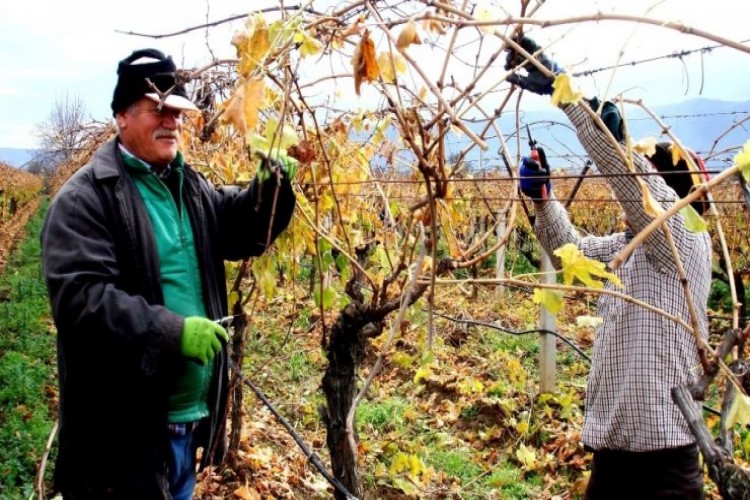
column 673, row 55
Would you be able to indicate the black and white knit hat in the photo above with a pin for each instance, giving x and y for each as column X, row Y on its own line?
column 136, row 71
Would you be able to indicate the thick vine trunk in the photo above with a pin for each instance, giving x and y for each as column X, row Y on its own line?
column 236, row 398
column 345, row 351
column 733, row 481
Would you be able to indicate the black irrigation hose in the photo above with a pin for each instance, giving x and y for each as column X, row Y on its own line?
column 524, row 332
column 300, row 442
column 542, row 330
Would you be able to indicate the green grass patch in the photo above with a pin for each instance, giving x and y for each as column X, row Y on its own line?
column 27, row 366
column 455, row 463
column 382, row 415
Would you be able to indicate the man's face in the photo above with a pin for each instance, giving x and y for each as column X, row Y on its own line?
column 151, row 135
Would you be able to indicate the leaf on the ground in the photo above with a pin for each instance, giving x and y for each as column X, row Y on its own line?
column 575, row 265
column 408, row 36
column 406, row 486
column 589, row 321
column 552, row 300
column 404, row 462
column 526, row 456
column 364, row 62
column 693, row 221
column 739, row 411
column 742, row 160
column 423, row 372
column 247, row 493
column 563, row 93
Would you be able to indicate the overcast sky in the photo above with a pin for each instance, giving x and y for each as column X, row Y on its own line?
column 50, row 49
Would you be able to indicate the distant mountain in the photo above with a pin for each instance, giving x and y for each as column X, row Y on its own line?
column 17, row 157
column 700, row 124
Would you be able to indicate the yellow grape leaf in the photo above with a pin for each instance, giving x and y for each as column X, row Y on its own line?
column 589, row 321
column 242, row 108
column 364, row 62
column 263, row 271
column 485, row 12
column 646, row 146
column 252, row 44
column 650, row 205
column 576, row 265
column 693, row 221
column 739, row 412
column 280, row 32
column 677, row 154
column 408, row 36
column 742, row 160
column 387, row 64
column 563, row 93
column 288, row 136
column 526, row 456
column 309, row 46
column 552, row 300
column 263, row 143
column 446, row 217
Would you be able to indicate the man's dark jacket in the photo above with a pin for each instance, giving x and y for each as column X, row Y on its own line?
column 116, row 341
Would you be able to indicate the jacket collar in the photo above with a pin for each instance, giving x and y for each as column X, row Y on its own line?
column 108, row 162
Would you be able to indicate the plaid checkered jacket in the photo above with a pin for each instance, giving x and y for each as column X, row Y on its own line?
column 638, row 355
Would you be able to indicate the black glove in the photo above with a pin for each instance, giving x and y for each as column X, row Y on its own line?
column 535, row 181
column 534, row 81
column 610, row 116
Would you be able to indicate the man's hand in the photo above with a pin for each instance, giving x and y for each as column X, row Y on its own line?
column 285, row 163
column 201, row 338
column 534, row 81
column 535, row 181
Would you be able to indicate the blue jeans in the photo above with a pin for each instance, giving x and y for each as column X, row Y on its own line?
column 181, row 462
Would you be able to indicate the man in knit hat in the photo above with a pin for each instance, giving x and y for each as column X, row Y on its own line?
column 133, row 249
column 642, row 447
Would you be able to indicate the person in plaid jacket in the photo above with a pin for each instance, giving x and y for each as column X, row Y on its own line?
column 640, row 441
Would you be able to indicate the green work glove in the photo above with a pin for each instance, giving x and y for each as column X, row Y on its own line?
column 200, row 338
column 283, row 162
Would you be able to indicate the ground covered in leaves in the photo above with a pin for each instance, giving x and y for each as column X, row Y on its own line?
column 464, row 421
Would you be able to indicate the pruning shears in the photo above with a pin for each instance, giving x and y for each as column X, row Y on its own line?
column 537, row 152
column 226, row 321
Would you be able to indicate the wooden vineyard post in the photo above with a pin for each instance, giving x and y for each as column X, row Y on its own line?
column 547, row 346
